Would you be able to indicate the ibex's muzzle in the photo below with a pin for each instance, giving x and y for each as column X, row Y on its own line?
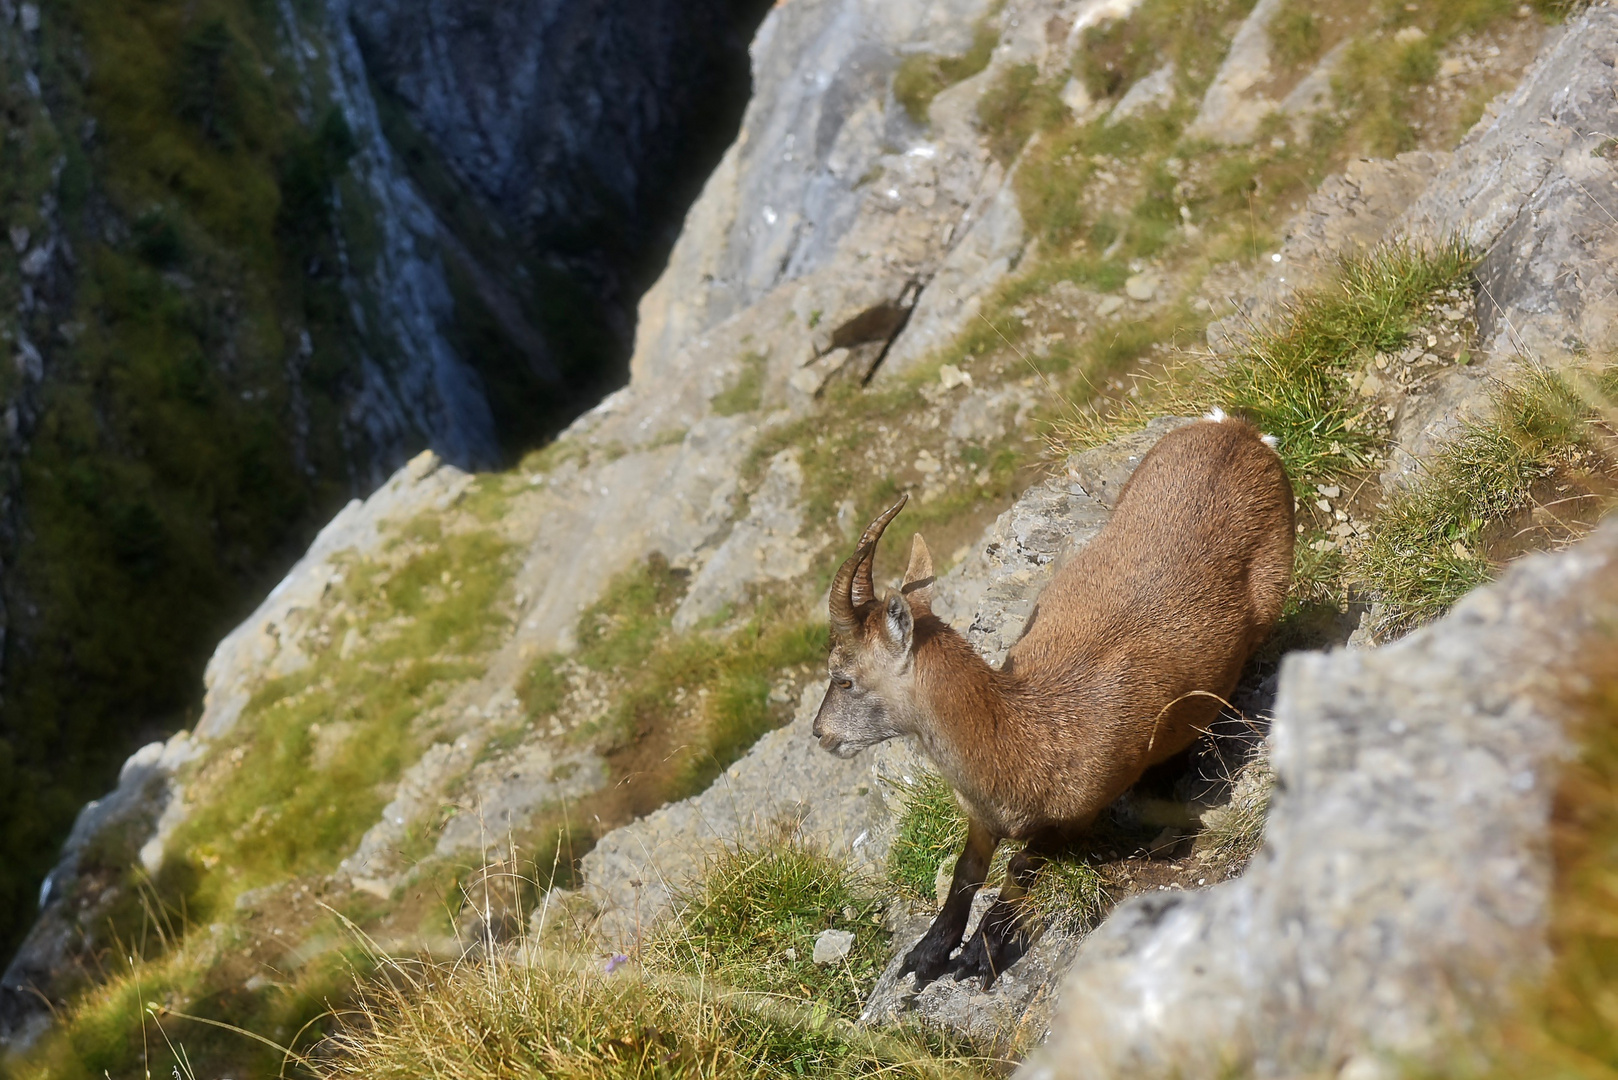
column 829, row 741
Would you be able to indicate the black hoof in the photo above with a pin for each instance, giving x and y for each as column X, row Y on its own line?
column 928, row 960
column 974, row 962
column 990, row 952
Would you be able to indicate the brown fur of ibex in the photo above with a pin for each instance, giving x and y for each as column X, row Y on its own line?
column 1113, row 673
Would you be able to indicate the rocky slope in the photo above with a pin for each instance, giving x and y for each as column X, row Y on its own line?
column 247, row 279
column 469, row 671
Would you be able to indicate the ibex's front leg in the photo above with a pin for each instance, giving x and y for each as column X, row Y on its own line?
column 1002, row 935
column 930, row 958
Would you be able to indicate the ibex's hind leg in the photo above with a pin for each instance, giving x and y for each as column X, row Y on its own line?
column 930, row 957
column 1004, row 934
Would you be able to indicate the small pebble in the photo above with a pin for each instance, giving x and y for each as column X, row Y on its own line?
column 832, row 946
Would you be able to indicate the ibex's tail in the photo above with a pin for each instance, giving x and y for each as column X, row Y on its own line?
column 1217, row 415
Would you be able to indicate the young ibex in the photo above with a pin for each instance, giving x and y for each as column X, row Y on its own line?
column 1121, row 666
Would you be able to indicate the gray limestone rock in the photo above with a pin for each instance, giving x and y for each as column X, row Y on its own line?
column 764, row 546
column 1535, row 185
column 832, row 945
column 509, row 791
column 1402, row 891
column 990, row 596
column 1015, row 1011
column 1348, row 215
column 1154, row 91
column 413, row 381
column 992, row 242
column 1230, row 112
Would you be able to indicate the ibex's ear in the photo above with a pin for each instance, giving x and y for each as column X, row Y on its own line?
column 919, row 579
column 898, row 623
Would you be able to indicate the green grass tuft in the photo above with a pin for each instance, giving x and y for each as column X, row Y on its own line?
column 1070, row 894
column 1295, row 34
column 1292, row 379
column 753, row 921
column 745, row 392
column 923, row 76
column 1017, row 105
column 571, row 1020
column 1293, row 383
column 619, row 631
column 1427, row 549
column 932, row 828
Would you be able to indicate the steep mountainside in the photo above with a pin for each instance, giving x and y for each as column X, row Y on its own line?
column 981, row 252
column 248, row 274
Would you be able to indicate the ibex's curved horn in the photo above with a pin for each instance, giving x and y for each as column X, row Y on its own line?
column 843, row 622
column 862, row 591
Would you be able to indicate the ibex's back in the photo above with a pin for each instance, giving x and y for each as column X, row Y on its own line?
column 1194, row 562
column 1170, row 600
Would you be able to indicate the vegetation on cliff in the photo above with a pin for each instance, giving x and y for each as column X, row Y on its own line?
column 205, row 284
column 184, row 440
column 238, row 928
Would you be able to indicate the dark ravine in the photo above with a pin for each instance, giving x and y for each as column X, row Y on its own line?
column 559, row 145
column 259, row 255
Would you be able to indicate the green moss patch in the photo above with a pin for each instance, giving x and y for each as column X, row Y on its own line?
column 684, row 706
column 745, row 391
column 318, row 751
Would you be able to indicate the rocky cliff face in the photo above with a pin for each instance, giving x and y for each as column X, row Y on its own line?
column 245, row 284
column 580, row 132
column 566, row 666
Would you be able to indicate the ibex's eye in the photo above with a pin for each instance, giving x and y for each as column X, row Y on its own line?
column 842, row 683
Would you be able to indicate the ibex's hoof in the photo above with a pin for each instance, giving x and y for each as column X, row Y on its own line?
column 987, row 956
column 927, row 960
column 975, row 962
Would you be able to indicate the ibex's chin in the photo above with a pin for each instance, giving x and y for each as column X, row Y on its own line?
column 843, row 749
column 1137, row 639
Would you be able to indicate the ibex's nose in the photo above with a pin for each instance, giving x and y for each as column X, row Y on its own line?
column 816, row 729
